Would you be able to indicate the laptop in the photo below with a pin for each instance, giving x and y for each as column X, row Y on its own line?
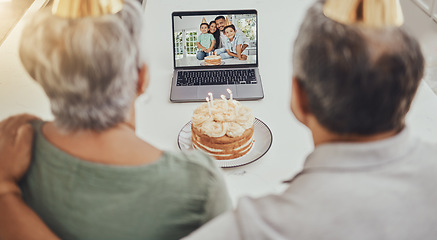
column 193, row 79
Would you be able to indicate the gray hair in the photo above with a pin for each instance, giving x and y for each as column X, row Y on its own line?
column 88, row 67
column 358, row 80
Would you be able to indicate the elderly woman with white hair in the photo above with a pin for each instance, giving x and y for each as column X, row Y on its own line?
column 91, row 177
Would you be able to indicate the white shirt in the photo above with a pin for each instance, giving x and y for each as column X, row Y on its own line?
column 224, row 38
column 232, row 46
column 378, row 190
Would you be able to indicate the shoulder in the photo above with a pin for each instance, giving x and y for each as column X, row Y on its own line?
column 426, row 145
column 241, row 33
column 40, row 143
column 423, row 157
column 252, row 219
column 213, row 230
column 195, row 167
column 239, row 37
column 193, row 160
column 39, row 138
column 37, row 124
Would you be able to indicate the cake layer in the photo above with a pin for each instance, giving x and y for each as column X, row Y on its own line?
column 213, row 60
column 223, row 147
column 225, row 155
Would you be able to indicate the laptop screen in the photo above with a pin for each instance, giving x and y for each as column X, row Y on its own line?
column 215, row 39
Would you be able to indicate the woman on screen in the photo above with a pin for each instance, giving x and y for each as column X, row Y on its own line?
column 213, row 30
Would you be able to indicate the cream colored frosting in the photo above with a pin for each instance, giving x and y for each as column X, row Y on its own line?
column 231, row 119
column 235, row 129
column 245, row 117
column 199, row 116
column 214, row 129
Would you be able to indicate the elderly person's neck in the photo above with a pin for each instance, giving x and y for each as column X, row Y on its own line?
column 117, row 145
column 300, row 107
column 321, row 135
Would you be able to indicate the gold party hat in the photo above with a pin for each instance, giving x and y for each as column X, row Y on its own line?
column 86, row 8
column 228, row 22
column 204, row 20
column 372, row 13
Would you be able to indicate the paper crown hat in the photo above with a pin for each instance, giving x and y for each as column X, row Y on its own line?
column 372, row 13
column 228, row 22
column 204, row 20
column 86, row 8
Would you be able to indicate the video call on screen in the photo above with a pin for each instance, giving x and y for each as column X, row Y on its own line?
column 187, row 31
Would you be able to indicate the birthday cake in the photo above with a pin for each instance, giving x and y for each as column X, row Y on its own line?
column 213, row 60
column 223, row 128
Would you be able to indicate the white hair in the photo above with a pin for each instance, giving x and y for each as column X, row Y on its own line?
column 88, row 67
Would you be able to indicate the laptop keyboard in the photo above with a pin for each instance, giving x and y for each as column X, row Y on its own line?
column 216, row 77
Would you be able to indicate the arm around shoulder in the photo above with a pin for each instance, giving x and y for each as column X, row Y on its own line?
column 18, row 221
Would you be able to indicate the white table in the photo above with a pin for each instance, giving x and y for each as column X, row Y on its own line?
column 159, row 121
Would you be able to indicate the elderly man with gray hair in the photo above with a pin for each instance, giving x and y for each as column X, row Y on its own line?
column 368, row 176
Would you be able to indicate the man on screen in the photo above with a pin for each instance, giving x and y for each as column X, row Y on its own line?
column 221, row 24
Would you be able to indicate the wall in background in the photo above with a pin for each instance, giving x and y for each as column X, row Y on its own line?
column 421, row 21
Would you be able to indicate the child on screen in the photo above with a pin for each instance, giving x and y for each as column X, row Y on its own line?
column 205, row 41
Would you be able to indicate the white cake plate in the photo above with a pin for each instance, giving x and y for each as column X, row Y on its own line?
column 262, row 136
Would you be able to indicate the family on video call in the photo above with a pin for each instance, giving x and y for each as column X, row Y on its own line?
column 222, row 38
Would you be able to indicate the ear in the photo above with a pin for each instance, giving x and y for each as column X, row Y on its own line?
column 143, row 79
column 299, row 102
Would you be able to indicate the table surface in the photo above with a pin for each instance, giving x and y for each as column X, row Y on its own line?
column 159, row 121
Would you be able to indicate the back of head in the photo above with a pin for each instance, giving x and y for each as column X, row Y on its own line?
column 358, row 79
column 88, row 66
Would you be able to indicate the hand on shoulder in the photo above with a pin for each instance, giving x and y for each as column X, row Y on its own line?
column 16, row 136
